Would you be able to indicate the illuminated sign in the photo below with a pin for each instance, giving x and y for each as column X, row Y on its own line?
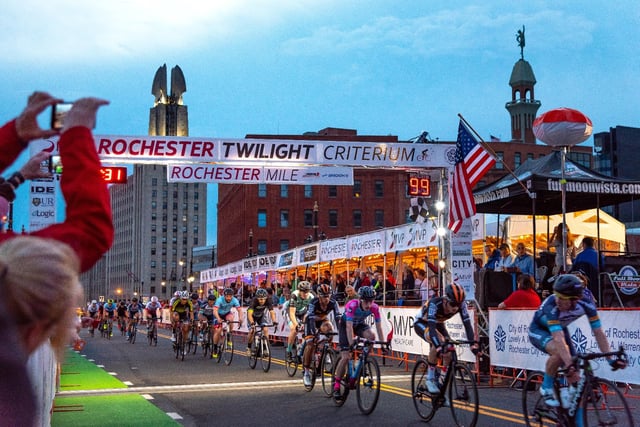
column 418, row 185
column 114, row 174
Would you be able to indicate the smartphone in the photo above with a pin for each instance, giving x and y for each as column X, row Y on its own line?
column 55, row 165
column 58, row 112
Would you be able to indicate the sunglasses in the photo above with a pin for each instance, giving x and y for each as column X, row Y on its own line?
column 566, row 298
column 453, row 304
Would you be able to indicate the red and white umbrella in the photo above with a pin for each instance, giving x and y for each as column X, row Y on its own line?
column 562, row 127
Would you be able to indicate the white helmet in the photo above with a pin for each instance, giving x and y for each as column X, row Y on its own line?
column 94, row 302
column 154, row 299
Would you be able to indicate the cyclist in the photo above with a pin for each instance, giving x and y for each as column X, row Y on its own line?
column 109, row 310
column 93, row 312
column 222, row 311
column 196, row 303
column 134, row 311
column 256, row 315
column 181, row 310
column 122, row 315
column 354, row 324
column 296, row 309
column 548, row 331
column 152, row 310
column 318, row 318
column 429, row 324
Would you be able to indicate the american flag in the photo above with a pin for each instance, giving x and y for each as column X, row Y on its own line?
column 472, row 162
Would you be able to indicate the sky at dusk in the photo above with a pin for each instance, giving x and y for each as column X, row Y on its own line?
column 290, row 67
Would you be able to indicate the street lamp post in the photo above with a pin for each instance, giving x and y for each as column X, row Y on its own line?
column 181, row 263
column 315, row 221
column 250, row 242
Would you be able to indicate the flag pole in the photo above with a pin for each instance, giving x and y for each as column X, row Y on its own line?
column 495, row 156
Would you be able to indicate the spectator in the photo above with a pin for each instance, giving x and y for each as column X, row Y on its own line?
column 350, row 293
column 523, row 262
column 570, row 252
column 408, row 282
column 523, row 297
column 70, row 247
column 588, row 254
column 493, row 256
column 506, row 258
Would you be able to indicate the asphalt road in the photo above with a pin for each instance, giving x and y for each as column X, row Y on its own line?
column 201, row 392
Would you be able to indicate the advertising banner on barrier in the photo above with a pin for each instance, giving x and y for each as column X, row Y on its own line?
column 510, row 347
column 462, row 266
column 415, row 235
column 333, row 249
column 366, row 244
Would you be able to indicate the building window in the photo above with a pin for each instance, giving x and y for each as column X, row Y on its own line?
column 262, row 247
column 308, row 218
column 357, row 218
column 153, row 228
column 153, row 264
column 333, row 218
column 333, row 191
column 262, row 190
column 284, row 218
column 500, row 160
column 357, row 188
column 529, row 156
column 406, row 216
column 154, row 204
column 284, row 191
column 284, row 245
column 262, row 218
column 378, row 218
column 308, row 191
column 378, row 188
column 517, row 160
column 154, row 182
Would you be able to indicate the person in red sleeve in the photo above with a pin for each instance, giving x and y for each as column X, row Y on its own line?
column 523, row 297
column 42, row 269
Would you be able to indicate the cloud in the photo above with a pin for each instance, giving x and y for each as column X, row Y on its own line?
column 456, row 31
column 71, row 30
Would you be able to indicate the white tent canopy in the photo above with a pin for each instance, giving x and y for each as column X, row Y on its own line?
column 582, row 223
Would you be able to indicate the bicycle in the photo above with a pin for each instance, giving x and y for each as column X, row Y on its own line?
column 122, row 325
column 192, row 342
column 260, row 349
column 207, row 340
column 458, row 389
column 152, row 331
column 225, row 347
column 597, row 400
column 106, row 328
column 179, row 345
column 295, row 358
column 323, row 361
column 133, row 330
column 362, row 374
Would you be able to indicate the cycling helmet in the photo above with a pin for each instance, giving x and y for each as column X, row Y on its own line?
column 110, row 301
column 568, row 286
column 134, row 299
column 324, row 290
column 455, row 293
column 304, row 286
column 194, row 296
column 154, row 299
column 261, row 293
column 211, row 297
column 184, row 294
column 177, row 294
column 227, row 291
column 367, row 293
column 94, row 302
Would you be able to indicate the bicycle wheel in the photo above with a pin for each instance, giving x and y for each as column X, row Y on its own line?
column 154, row 331
column 533, row 407
column 253, row 353
column 110, row 330
column 422, row 400
column 265, row 354
column 190, row 343
column 463, row 396
column 291, row 363
column 368, row 386
column 150, row 334
column 327, row 363
column 603, row 404
column 227, row 349
column 313, row 369
column 344, row 384
column 207, row 344
column 134, row 331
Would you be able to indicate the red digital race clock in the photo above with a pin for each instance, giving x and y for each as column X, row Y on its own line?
column 418, row 185
column 114, row 174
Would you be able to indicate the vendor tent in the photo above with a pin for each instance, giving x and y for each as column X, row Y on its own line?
column 585, row 189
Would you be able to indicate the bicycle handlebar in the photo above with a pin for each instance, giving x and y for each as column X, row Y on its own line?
column 619, row 354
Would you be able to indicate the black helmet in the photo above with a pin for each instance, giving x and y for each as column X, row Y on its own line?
column 261, row 293
column 194, row 296
column 367, row 293
column 568, row 286
column 455, row 293
column 324, row 290
column 211, row 297
column 227, row 291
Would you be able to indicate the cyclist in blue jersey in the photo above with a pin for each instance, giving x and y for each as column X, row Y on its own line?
column 354, row 324
column 134, row 311
column 548, row 331
column 222, row 311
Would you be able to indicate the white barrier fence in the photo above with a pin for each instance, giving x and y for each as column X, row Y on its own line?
column 509, row 344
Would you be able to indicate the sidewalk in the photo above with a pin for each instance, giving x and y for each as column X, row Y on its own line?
column 105, row 410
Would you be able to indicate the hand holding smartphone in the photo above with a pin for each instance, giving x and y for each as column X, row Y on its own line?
column 58, row 112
